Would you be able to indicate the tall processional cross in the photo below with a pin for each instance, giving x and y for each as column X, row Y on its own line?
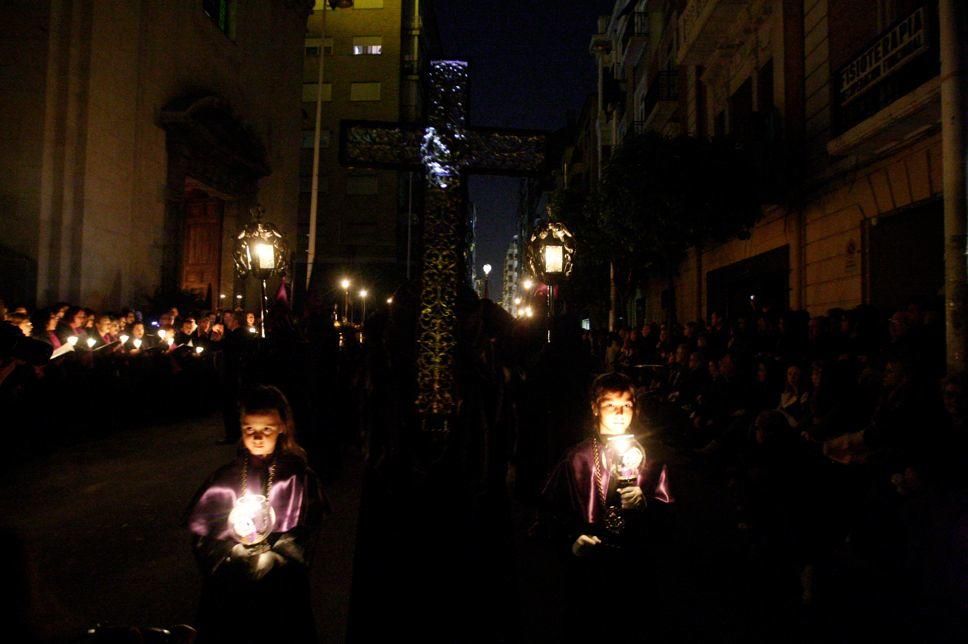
column 445, row 150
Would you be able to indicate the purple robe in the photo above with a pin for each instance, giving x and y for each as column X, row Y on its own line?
column 572, row 500
column 272, row 587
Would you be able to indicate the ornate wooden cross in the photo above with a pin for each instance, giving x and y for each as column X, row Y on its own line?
column 446, row 150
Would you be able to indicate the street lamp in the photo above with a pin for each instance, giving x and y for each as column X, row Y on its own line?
column 363, row 294
column 528, row 283
column 345, row 285
column 260, row 250
column 487, row 279
column 550, row 255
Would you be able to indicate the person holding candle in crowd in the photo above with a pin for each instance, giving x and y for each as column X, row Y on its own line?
column 605, row 517
column 254, row 524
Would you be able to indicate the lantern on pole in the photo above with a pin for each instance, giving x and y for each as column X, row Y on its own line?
column 261, row 251
column 551, row 257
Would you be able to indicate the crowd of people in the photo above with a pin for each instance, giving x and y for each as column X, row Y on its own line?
column 842, row 444
column 836, row 443
column 105, row 369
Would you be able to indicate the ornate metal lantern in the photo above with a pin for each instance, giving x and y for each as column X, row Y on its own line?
column 551, row 252
column 261, row 251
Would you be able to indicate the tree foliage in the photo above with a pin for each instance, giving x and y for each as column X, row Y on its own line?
column 659, row 197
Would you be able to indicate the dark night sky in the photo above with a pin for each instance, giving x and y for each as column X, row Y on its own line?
column 529, row 65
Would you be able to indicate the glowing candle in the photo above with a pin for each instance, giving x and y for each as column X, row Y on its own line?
column 72, row 340
column 91, row 342
column 198, row 350
column 124, row 339
column 252, row 519
column 137, row 343
column 162, row 333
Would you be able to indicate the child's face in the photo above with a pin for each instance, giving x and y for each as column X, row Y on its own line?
column 614, row 411
column 260, row 431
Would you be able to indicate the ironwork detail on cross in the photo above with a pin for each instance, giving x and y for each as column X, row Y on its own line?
column 445, row 150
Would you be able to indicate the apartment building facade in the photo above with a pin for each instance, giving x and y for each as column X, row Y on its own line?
column 839, row 99
column 137, row 134
column 373, row 55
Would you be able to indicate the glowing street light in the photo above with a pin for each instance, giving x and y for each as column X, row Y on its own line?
column 345, row 285
column 528, row 283
column 487, row 280
column 363, row 294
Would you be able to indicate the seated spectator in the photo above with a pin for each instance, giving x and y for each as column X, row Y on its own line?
column 795, row 396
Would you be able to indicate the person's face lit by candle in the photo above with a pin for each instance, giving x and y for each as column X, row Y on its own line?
column 250, row 319
column 138, row 330
column 79, row 319
column 614, row 410
column 260, row 431
column 188, row 326
column 103, row 325
column 52, row 322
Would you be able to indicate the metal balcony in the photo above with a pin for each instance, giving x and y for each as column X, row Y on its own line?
column 661, row 99
column 703, row 25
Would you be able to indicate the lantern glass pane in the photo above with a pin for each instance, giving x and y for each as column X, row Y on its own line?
column 266, row 256
column 554, row 259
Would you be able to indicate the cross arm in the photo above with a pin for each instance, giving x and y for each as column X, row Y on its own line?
column 508, row 152
column 374, row 144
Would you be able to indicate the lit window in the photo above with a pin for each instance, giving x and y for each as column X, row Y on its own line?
column 365, row 91
column 366, row 184
column 367, row 45
column 310, row 91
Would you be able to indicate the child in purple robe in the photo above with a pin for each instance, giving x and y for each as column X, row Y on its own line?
column 602, row 505
column 254, row 523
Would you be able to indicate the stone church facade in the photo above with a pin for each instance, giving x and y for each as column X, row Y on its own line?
column 136, row 136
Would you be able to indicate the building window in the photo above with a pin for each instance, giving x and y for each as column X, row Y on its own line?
column 365, row 91
column 367, row 45
column 309, row 135
column 311, row 91
column 364, row 184
column 222, row 15
column 313, row 47
column 368, row 4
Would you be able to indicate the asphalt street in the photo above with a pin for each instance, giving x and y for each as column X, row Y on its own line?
column 96, row 526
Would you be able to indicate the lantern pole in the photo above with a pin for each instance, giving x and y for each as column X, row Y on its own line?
column 262, row 312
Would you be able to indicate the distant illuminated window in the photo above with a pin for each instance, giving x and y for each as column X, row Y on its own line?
column 367, row 45
column 365, row 91
column 310, row 91
column 222, row 15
